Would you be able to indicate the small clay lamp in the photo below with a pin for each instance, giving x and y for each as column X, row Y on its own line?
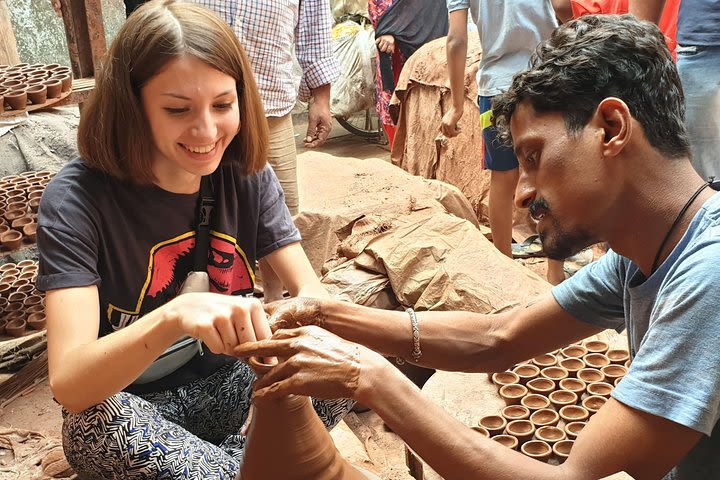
column 65, row 80
column 36, row 321
column 36, row 309
column 515, row 412
column 618, row 356
column 482, row 431
column 612, row 372
column 550, row 434
column 574, row 351
column 20, row 282
column 34, row 204
column 33, row 195
column 16, row 327
column 574, row 385
column 32, row 300
column 596, row 346
column 562, row 449
column 25, row 263
column 16, row 297
column 26, row 288
column 535, row 402
column 17, row 99
column 54, row 87
column 30, row 231
column 523, row 430
column 574, row 413
column 573, row 429
column 11, row 240
column 545, row 360
column 512, row 394
column 537, row 449
column 7, row 266
column 593, row 403
column 561, row 398
column 507, row 440
column 505, row 378
column 591, row 375
column 541, row 385
column 18, row 223
column 37, row 94
column 11, row 84
column 526, row 372
column 554, row 373
column 544, row 417
column 494, row 424
column 596, row 360
column 572, row 365
column 602, row 389
column 11, row 215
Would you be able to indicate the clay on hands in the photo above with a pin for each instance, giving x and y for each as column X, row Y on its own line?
column 294, row 313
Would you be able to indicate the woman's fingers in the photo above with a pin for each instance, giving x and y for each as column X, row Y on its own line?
column 265, row 348
column 259, row 321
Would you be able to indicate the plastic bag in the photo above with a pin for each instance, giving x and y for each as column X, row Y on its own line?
column 354, row 48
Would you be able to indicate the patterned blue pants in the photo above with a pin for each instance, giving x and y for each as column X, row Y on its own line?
column 190, row 432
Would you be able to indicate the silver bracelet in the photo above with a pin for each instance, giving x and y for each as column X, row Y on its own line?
column 416, row 352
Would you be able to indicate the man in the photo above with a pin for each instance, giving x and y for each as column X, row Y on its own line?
column 596, row 123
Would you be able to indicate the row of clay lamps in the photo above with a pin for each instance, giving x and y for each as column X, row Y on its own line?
column 22, row 307
column 550, row 398
column 23, row 83
column 19, row 202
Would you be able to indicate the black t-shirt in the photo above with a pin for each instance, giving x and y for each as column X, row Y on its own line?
column 699, row 23
column 135, row 242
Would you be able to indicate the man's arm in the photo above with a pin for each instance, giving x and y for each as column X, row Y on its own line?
column 650, row 10
column 456, row 52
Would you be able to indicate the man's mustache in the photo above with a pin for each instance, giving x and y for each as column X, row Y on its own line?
column 538, row 208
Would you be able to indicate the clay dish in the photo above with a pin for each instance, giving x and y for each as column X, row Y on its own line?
column 27, row 288
column 12, row 83
column 550, row 434
column 574, row 385
column 512, row 394
column 34, row 204
column 33, row 195
column 596, row 346
column 561, row 398
column 505, row 378
column 32, row 300
column 537, row 449
column 30, row 231
column 545, row 360
column 18, row 223
column 573, row 429
column 523, row 430
column 37, row 94
column 16, row 327
column 11, row 240
column 13, row 307
column 494, row 424
column 526, row 372
column 574, row 351
column 20, row 282
column 554, row 373
column 602, row 389
column 591, row 375
column 36, row 321
column 25, row 263
column 544, row 417
column 612, row 372
column 515, row 412
column 65, row 80
column 11, row 215
column 35, row 309
column 593, row 403
column 7, row 266
column 572, row 365
column 506, row 440
column 482, row 431
column 535, row 402
column 562, row 450
column 16, row 99
column 596, row 360
column 542, row 386
column 618, row 355
column 573, row 413
column 16, row 297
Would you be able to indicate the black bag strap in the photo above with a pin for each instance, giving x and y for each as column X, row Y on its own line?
column 206, row 203
column 714, row 184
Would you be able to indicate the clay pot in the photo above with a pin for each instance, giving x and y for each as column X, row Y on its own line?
column 515, row 412
column 36, row 321
column 535, row 402
column 65, row 81
column 4, row 290
column 507, row 440
column 596, row 346
column 554, row 373
column 612, row 372
column 574, row 351
column 37, row 94
column 35, row 309
column 54, row 87
column 11, row 215
column 627, row 364
column 30, row 231
column 591, row 375
column 561, row 398
column 541, row 386
column 526, row 372
column 573, row 429
column 562, row 449
column 593, row 403
column 573, row 413
column 7, row 266
column 523, row 430
column 505, row 378
column 544, row 417
column 25, row 263
column 574, row 385
column 596, row 360
column 287, row 440
column 18, row 223
column 34, row 195
column 11, row 240
column 12, row 84
column 572, row 365
column 32, row 300
column 18, row 205
column 537, row 449
column 482, row 431
column 34, row 204
column 16, row 99
column 26, row 288
column 16, row 297
column 550, row 434
column 20, row 282
column 601, row 389
column 545, row 360
column 512, row 394
column 618, row 355
column 494, row 424
column 16, row 327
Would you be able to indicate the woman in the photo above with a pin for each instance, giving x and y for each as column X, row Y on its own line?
column 175, row 102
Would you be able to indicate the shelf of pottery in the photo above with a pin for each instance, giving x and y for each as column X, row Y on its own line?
column 21, row 304
column 550, row 398
column 25, row 87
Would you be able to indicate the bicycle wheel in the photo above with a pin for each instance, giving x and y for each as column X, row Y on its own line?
column 364, row 123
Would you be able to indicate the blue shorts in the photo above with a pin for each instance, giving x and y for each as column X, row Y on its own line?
column 497, row 156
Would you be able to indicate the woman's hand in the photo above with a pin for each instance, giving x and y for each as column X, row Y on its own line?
column 385, row 43
column 295, row 312
column 222, row 322
column 315, row 363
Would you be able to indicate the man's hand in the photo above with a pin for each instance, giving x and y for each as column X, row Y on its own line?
column 319, row 118
column 449, row 126
column 385, row 44
column 294, row 313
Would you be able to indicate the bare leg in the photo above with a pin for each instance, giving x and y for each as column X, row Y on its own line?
column 502, row 190
column 555, row 271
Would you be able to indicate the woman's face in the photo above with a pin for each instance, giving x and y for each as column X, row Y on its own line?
column 192, row 110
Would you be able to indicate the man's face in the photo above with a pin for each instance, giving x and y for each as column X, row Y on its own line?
column 562, row 180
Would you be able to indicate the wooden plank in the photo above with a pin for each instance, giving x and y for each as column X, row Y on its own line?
column 8, row 46
column 81, row 89
column 85, row 35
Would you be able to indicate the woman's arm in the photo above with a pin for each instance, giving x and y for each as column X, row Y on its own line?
column 456, row 52
column 85, row 370
column 293, row 268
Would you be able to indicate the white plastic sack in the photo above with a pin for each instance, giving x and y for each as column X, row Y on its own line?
column 354, row 48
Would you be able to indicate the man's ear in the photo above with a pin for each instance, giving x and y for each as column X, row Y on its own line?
column 613, row 117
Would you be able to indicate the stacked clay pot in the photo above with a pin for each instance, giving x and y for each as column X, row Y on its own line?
column 24, row 85
column 19, row 203
column 550, row 398
column 22, row 306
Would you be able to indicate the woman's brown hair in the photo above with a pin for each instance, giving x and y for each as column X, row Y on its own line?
column 114, row 135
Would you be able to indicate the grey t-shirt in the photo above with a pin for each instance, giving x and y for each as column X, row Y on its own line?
column 673, row 324
column 135, row 242
column 509, row 30
column 699, row 23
